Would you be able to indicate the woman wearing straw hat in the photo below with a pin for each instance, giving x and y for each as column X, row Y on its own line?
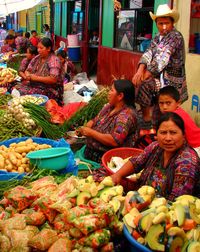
column 163, row 63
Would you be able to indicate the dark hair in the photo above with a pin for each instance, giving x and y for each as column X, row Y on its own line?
column 170, row 91
column 8, row 37
column 46, row 42
column 171, row 18
column 46, row 26
column 33, row 31
column 127, row 88
column 171, row 116
column 62, row 53
column 33, row 50
column 27, row 35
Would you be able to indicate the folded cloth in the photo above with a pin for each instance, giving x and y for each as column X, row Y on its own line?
column 84, row 166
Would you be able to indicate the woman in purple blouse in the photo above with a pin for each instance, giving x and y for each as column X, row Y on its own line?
column 116, row 123
column 44, row 74
column 169, row 165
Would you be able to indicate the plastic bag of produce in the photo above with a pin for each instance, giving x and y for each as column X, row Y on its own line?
column 66, row 187
column 20, row 238
column 96, row 239
column 78, row 211
column 35, row 218
column 11, row 210
column 60, row 223
column 20, row 197
column 75, row 233
column 16, row 222
column 4, row 215
column 42, row 182
column 33, row 229
column 43, row 240
column 43, row 204
column 61, row 245
column 47, row 190
column 91, row 222
column 62, row 206
column 20, row 249
column 5, row 244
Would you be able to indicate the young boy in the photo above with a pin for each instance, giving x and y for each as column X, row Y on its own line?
column 169, row 101
column 34, row 38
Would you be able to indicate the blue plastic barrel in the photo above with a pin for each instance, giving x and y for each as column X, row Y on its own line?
column 74, row 53
column 197, row 43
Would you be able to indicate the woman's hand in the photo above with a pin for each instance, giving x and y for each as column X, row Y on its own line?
column 116, row 178
column 85, row 131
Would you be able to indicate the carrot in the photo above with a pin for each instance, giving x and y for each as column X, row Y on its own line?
column 168, row 226
column 188, row 224
column 137, row 218
column 135, row 234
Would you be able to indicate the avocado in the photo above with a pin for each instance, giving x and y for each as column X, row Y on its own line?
column 193, row 246
column 145, row 222
column 180, row 213
column 152, row 237
column 107, row 194
column 73, row 193
column 174, row 244
column 193, row 213
column 83, row 198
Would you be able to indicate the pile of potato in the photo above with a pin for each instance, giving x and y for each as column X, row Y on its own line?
column 13, row 158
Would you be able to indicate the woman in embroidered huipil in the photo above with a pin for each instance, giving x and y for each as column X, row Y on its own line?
column 169, row 164
column 44, row 73
column 116, row 123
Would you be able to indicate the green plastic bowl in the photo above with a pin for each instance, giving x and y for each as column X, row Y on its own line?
column 50, row 159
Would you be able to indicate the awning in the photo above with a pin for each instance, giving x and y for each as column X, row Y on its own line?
column 11, row 6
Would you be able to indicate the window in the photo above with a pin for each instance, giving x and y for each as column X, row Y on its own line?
column 133, row 25
column 194, row 42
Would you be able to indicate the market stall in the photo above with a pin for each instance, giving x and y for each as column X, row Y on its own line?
column 47, row 204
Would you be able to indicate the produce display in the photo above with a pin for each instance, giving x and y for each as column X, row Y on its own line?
column 117, row 162
column 13, row 158
column 16, row 110
column 4, row 98
column 162, row 225
column 7, row 75
column 75, row 215
column 87, row 112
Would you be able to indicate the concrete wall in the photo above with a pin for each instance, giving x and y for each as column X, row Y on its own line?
column 192, row 61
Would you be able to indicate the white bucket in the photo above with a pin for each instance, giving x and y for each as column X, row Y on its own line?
column 72, row 40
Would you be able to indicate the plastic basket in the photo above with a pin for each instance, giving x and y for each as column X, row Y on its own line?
column 123, row 152
column 71, row 167
column 134, row 245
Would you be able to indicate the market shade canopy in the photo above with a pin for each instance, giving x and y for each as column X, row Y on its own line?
column 11, row 6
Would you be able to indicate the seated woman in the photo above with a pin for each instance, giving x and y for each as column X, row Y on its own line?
column 30, row 54
column 170, row 165
column 10, row 46
column 44, row 74
column 116, row 123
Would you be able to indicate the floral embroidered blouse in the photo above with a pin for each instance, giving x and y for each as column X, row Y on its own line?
column 52, row 67
column 122, row 126
column 177, row 178
column 24, row 65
